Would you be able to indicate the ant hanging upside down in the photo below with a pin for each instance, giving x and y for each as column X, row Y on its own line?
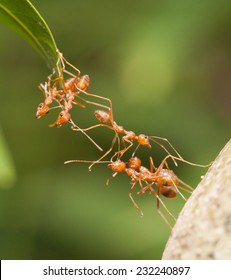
column 64, row 91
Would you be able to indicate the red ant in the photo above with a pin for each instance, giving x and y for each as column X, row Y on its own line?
column 106, row 120
column 70, row 88
column 50, row 93
column 65, row 96
column 77, row 84
column 166, row 181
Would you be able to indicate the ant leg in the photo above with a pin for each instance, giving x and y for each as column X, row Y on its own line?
column 93, row 103
column 194, row 164
column 122, row 152
column 137, row 147
column 170, row 144
column 72, row 66
column 159, row 200
column 118, row 143
column 78, row 104
column 92, row 127
column 178, row 191
column 183, row 160
column 59, row 62
column 179, row 157
column 184, row 189
column 71, row 74
column 43, row 89
column 56, row 81
column 112, row 176
column 133, row 201
column 160, row 212
column 186, row 185
column 152, row 165
column 141, row 186
column 164, row 162
column 100, row 97
column 79, row 129
column 130, row 144
column 55, row 107
column 105, row 154
column 75, row 128
column 163, row 147
column 112, row 145
column 50, row 77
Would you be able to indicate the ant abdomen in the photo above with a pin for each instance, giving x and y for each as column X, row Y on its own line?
column 167, row 177
column 168, row 191
column 103, row 116
column 69, row 84
column 167, row 183
column 83, row 83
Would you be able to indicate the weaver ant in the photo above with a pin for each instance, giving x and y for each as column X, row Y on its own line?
column 59, row 95
column 106, row 120
column 77, row 84
column 64, row 91
column 166, row 181
column 50, row 93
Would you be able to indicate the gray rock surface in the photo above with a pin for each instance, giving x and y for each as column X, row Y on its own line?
column 203, row 228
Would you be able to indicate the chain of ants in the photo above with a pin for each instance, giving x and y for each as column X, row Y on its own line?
column 67, row 89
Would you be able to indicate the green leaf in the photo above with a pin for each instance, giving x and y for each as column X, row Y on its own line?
column 22, row 17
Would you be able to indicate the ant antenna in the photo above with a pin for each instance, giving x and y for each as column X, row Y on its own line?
column 83, row 160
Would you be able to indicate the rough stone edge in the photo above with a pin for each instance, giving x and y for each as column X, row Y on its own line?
column 203, row 228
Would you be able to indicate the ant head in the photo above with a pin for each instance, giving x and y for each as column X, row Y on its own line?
column 69, row 84
column 143, row 140
column 63, row 118
column 103, row 116
column 83, row 83
column 42, row 110
column 117, row 166
column 134, row 163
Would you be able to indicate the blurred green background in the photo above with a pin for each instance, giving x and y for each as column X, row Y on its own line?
column 166, row 65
